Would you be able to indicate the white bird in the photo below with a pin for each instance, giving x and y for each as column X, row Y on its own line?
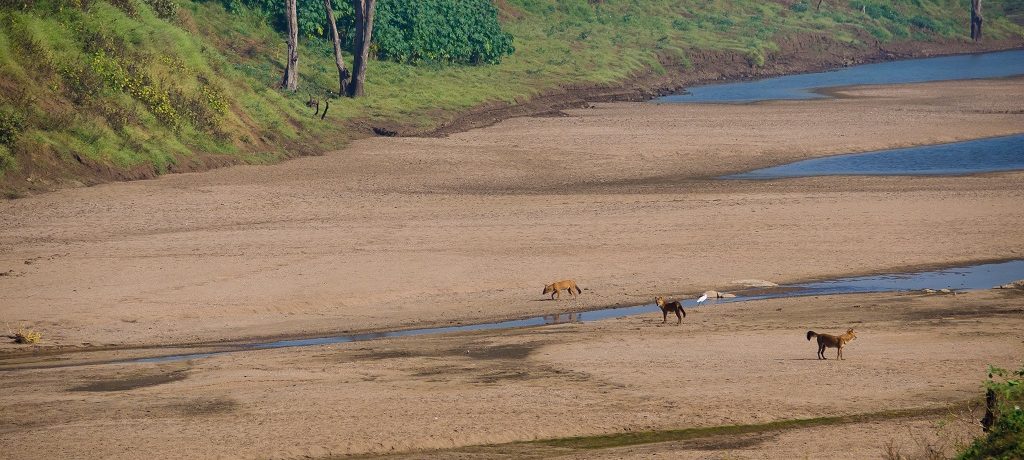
column 701, row 299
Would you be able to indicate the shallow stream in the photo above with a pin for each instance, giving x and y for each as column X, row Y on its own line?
column 982, row 276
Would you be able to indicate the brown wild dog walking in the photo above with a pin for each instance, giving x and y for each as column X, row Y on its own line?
column 567, row 285
column 666, row 307
column 831, row 341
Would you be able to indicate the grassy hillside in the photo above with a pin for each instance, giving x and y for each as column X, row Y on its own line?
column 93, row 90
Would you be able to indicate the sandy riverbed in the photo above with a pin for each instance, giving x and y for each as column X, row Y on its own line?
column 413, row 232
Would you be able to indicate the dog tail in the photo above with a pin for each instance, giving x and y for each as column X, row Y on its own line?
column 578, row 291
column 811, row 334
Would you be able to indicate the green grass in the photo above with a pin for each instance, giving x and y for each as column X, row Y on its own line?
column 121, row 87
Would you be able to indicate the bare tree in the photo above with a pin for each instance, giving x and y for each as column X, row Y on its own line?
column 291, row 68
column 364, row 31
column 343, row 75
column 976, row 20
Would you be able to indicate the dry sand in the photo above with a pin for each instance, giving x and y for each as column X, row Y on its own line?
column 726, row 364
column 420, row 231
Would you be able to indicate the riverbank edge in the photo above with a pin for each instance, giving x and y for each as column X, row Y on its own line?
column 796, row 55
column 706, row 67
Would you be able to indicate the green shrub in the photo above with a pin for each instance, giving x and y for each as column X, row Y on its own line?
column 11, row 124
column 7, row 161
column 164, row 9
column 800, row 6
column 879, row 10
column 127, row 6
column 755, row 57
column 924, row 22
column 406, row 31
column 203, row 110
column 681, row 24
column 1005, row 439
column 311, row 15
column 441, row 31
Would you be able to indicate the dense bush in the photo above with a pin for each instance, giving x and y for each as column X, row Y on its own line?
column 442, row 31
column 164, row 9
column 11, row 124
column 408, row 31
column 1005, row 439
column 312, row 15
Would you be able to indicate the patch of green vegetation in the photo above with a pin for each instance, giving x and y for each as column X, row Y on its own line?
column 7, row 161
column 440, row 31
column 130, row 83
column 1005, row 439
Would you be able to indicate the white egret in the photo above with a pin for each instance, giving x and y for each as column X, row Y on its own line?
column 701, row 299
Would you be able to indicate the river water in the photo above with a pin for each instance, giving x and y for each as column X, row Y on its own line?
column 809, row 85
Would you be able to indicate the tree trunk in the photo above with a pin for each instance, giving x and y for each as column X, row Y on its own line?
column 291, row 68
column 976, row 20
column 361, row 51
column 343, row 75
column 990, row 411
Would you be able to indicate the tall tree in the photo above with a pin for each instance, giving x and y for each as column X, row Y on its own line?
column 343, row 75
column 291, row 68
column 976, row 20
column 364, row 31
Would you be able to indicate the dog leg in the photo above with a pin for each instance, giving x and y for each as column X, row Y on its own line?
column 679, row 317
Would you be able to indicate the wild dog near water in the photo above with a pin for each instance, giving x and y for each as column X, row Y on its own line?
column 832, row 341
column 555, row 288
column 666, row 307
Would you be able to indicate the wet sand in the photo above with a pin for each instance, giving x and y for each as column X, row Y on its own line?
column 404, row 232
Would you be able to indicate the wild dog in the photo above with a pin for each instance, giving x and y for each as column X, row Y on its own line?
column 666, row 307
column 831, row 341
column 555, row 288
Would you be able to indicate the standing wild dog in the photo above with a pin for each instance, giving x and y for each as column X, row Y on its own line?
column 832, row 341
column 666, row 307
column 555, row 288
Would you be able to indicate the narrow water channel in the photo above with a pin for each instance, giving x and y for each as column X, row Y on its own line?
column 982, row 276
